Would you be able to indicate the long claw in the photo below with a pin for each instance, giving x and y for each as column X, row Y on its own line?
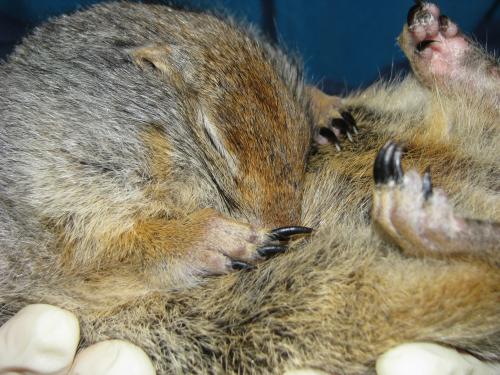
column 330, row 135
column 271, row 250
column 398, row 170
column 343, row 126
column 351, row 121
column 349, row 137
column 238, row 265
column 427, row 184
column 340, row 124
column 378, row 166
column 412, row 12
column 348, row 117
column 424, row 44
column 387, row 166
column 284, row 233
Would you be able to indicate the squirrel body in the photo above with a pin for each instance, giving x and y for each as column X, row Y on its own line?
column 144, row 148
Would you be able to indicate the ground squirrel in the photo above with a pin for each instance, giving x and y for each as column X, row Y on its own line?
column 145, row 148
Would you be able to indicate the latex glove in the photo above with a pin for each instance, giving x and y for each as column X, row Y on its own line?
column 431, row 359
column 424, row 359
column 42, row 340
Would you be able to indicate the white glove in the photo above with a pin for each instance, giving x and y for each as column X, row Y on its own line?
column 424, row 359
column 42, row 340
column 431, row 359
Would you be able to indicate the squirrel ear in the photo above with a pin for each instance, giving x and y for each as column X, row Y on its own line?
column 152, row 56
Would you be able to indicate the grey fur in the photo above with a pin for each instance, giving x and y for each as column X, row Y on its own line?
column 72, row 108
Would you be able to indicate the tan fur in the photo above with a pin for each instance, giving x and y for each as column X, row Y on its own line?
column 334, row 301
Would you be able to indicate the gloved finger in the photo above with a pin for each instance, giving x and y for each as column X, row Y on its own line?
column 39, row 340
column 431, row 359
column 113, row 357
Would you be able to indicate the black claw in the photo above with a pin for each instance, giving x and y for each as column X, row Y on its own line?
column 387, row 166
column 352, row 123
column 284, row 233
column 271, row 250
column 413, row 11
column 330, row 135
column 238, row 265
column 424, row 44
column 443, row 21
column 343, row 126
column 378, row 173
column 427, row 184
column 397, row 169
column 348, row 117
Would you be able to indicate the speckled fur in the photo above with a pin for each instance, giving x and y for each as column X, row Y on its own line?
column 334, row 302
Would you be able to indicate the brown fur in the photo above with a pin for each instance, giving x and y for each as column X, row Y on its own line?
column 335, row 301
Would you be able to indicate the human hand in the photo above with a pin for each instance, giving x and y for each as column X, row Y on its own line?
column 42, row 340
column 424, row 359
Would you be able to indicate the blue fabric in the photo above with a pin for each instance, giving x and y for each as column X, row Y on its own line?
column 343, row 43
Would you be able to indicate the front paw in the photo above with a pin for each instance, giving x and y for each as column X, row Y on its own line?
column 332, row 123
column 337, row 129
column 227, row 245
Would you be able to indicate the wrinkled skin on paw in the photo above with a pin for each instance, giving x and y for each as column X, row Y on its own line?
column 420, row 219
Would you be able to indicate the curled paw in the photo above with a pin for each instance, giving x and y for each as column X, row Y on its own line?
column 338, row 128
column 277, row 240
column 205, row 243
column 332, row 123
column 229, row 245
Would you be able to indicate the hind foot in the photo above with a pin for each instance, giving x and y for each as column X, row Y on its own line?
column 441, row 56
column 433, row 44
column 420, row 219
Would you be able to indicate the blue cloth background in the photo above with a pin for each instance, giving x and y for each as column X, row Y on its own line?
column 344, row 44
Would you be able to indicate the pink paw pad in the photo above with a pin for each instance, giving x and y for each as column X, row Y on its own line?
column 426, row 23
column 436, row 37
column 423, row 21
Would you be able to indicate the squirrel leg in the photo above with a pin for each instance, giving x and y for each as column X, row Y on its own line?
column 420, row 219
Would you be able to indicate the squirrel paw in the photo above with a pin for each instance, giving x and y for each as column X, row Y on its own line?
column 332, row 123
column 433, row 43
column 337, row 129
column 263, row 246
column 217, row 245
column 405, row 206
